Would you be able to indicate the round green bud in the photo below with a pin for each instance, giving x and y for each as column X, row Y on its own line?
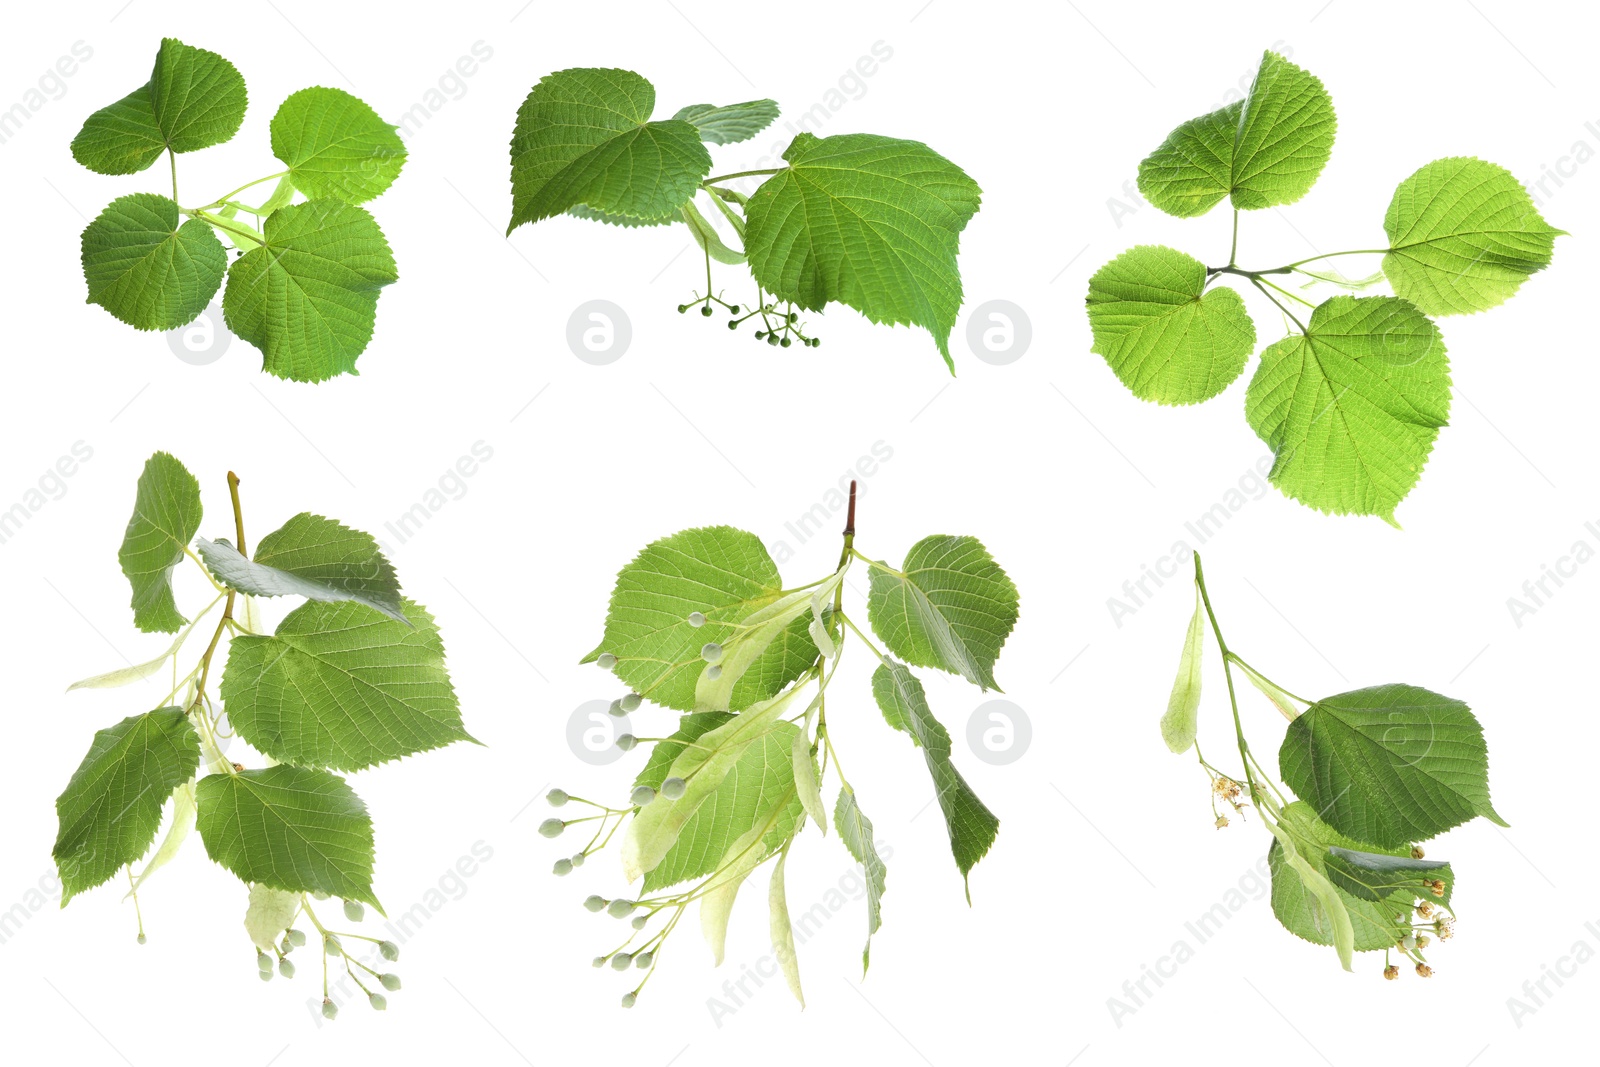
column 562, row 868
column 628, row 999
column 1409, row 942
column 641, row 796
column 141, row 938
column 389, row 950
column 733, row 309
column 772, row 338
column 621, row 961
column 734, row 325
column 706, row 311
column 816, row 342
column 296, row 938
column 682, row 308
column 626, row 742
column 713, row 672
column 607, row 661
column 577, row 861
column 785, row 343
column 285, row 946
column 697, row 619
column 643, row 960
column 556, row 797
column 378, row 1001
column 331, row 946
column 354, row 911
column 552, row 827
column 711, row 652
column 630, row 702
column 760, row 334
column 266, row 975
column 674, row 788
column 794, row 317
column 595, row 902
column 391, row 982
column 330, row 1010
column 599, row 961
column 616, row 709
column 641, row 921
column 286, row 968
column 619, row 909
column 263, row 961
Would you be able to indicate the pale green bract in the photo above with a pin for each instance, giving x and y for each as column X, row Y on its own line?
column 729, row 123
column 868, row 221
column 341, row 685
column 111, row 809
column 1180, row 723
column 1463, row 236
column 166, row 514
column 1303, row 912
column 972, row 826
column 1390, row 764
column 951, row 608
column 148, row 269
column 1265, row 150
column 781, row 929
column 313, row 557
column 584, row 136
column 269, row 914
column 336, row 146
column 292, row 828
column 1351, row 407
column 1323, row 894
column 1161, row 332
column 308, row 297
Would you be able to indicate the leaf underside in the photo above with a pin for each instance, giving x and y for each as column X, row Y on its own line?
column 166, row 514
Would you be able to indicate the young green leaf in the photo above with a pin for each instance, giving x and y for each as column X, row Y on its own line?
column 951, row 608
column 1390, row 764
column 972, row 826
column 855, row 830
column 270, row 913
column 308, row 297
column 313, row 557
column 723, row 573
column 1351, row 408
column 1463, row 236
column 293, row 828
column 197, row 96
column 1376, row 876
column 1164, row 335
column 148, row 269
column 868, row 221
column 111, row 808
column 166, row 514
column 336, row 146
column 781, row 929
column 1179, row 724
column 1262, row 151
column 584, row 136
column 342, row 686
column 731, row 122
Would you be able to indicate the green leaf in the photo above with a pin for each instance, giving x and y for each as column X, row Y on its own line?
column 197, row 96
column 754, row 805
column 730, row 123
column 952, row 608
column 727, row 575
column 972, row 826
column 868, row 221
column 707, row 237
column 1375, row 876
column 658, row 768
column 584, row 211
column 1322, row 897
column 294, row 828
column 584, row 136
column 271, row 912
column 166, row 514
column 146, row 268
column 121, row 138
column 855, row 830
column 336, row 146
column 781, row 929
column 1264, row 150
column 1162, row 333
column 308, row 297
column 1179, row 724
column 1351, row 408
column 656, row 827
column 313, row 557
column 1390, row 764
column 1463, row 236
column 1373, row 925
column 339, row 685
column 111, row 808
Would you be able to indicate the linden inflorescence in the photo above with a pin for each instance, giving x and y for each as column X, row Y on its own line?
column 780, row 328
column 333, row 948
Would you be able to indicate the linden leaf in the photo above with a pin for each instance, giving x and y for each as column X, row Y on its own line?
column 313, row 557
column 166, row 514
column 336, row 146
column 731, row 122
column 146, row 268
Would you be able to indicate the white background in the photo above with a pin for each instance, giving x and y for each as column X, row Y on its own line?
column 1106, row 848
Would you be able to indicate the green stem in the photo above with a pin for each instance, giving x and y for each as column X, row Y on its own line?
column 1251, row 670
column 865, row 639
column 1227, row 671
column 173, row 159
column 238, row 229
column 223, row 200
column 741, row 174
column 1288, row 294
column 1330, row 255
column 1295, row 319
column 1233, row 252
